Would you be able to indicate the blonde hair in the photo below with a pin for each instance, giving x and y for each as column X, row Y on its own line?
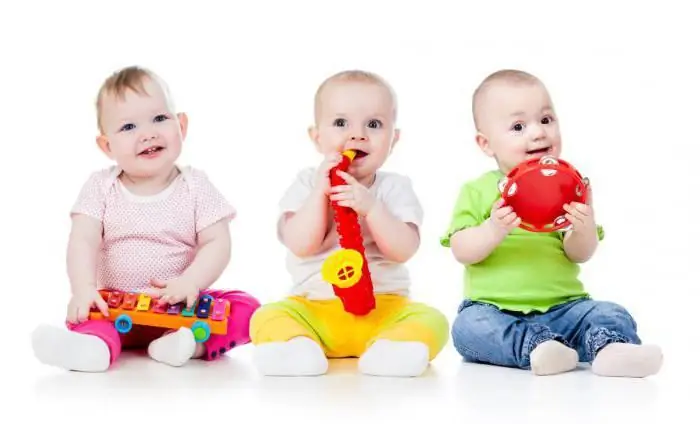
column 355, row 75
column 131, row 78
column 511, row 76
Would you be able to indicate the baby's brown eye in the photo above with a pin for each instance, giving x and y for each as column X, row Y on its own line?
column 340, row 122
column 374, row 124
column 546, row 120
column 518, row 127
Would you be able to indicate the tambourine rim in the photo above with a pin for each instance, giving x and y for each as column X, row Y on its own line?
column 536, row 165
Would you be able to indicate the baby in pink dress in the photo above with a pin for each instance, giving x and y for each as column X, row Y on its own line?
column 145, row 225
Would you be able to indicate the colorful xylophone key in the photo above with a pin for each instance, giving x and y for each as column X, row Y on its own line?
column 219, row 310
column 204, row 306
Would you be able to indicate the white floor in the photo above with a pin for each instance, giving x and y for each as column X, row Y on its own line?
column 450, row 392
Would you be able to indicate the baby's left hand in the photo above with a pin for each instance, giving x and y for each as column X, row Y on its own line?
column 581, row 215
column 174, row 291
column 353, row 195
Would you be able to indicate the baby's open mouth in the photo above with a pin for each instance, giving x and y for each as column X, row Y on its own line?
column 151, row 150
column 359, row 154
column 539, row 151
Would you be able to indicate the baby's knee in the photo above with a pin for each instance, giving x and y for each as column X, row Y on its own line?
column 274, row 322
column 612, row 311
column 262, row 316
column 472, row 320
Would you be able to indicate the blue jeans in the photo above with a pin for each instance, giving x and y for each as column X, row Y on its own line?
column 483, row 333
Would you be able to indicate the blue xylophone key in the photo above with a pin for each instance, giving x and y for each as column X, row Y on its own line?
column 204, row 306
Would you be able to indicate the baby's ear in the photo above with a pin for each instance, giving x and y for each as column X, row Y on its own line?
column 397, row 137
column 313, row 135
column 484, row 144
column 103, row 144
column 184, row 121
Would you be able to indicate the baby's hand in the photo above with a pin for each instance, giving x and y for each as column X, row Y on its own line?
column 174, row 291
column 80, row 304
column 503, row 219
column 353, row 195
column 323, row 181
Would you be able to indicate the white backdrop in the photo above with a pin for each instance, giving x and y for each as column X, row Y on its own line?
column 624, row 82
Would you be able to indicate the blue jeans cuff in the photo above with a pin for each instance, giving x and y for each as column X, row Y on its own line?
column 601, row 337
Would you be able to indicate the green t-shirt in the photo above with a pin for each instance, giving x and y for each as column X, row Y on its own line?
column 528, row 271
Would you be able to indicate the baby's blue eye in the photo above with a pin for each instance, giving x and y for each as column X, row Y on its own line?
column 339, row 122
column 127, row 127
column 160, row 118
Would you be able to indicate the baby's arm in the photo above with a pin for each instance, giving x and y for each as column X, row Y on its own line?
column 83, row 244
column 581, row 242
column 213, row 255
column 306, row 222
column 304, row 231
column 579, row 247
column 479, row 224
column 474, row 244
column 397, row 240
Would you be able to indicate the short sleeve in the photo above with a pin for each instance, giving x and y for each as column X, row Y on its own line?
column 295, row 195
column 91, row 198
column 210, row 205
column 469, row 211
column 402, row 201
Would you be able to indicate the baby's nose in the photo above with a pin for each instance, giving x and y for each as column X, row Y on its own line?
column 360, row 138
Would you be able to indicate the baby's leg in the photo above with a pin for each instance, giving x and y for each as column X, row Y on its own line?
column 406, row 342
column 286, row 342
column 606, row 335
column 483, row 333
column 174, row 348
column 91, row 346
column 177, row 347
column 243, row 306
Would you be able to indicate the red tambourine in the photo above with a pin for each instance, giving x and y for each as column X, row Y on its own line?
column 538, row 189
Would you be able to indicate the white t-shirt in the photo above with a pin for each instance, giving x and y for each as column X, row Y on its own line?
column 396, row 193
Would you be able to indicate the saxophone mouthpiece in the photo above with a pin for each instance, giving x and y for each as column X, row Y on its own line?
column 350, row 154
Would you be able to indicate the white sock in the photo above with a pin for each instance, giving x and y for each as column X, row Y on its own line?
column 299, row 356
column 627, row 360
column 70, row 350
column 552, row 357
column 388, row 358
column 174, row 348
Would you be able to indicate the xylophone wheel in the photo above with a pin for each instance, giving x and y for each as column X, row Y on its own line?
column 123, row 324
column 201, row 331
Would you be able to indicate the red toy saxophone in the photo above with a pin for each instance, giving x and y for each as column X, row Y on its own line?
column 347, row 269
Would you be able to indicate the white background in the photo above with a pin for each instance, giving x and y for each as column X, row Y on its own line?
column 625, row 84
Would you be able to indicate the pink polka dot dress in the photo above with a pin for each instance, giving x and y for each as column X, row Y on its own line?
column 155, row 237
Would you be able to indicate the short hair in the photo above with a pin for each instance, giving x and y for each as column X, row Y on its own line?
column 355, row 75
column 131, row 78
column 513, row 76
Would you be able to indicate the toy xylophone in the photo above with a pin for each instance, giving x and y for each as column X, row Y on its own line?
column 207, row 316
column 347, row 269
column 538, row 189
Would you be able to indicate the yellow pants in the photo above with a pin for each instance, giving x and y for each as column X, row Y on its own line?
column 343, row 335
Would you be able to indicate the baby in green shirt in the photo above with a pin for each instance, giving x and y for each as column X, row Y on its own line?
column 524, row 304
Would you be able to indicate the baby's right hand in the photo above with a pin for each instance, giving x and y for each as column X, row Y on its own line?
column 323, row 182
column 503, row 219
column 80, row 304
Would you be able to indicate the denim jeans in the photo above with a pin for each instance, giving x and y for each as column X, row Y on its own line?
column 483, row 333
